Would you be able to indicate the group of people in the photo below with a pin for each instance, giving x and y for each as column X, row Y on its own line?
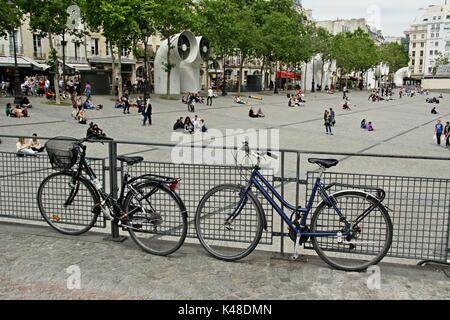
column 30, row 147
column 94, row 132
column 382, row 94
column 17, row 111
column 296, row 100
column 193, row 98
column 367, row 125
column 442, row 133
column 190, row 126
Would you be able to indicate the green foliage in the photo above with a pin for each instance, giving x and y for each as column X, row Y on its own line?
column 52, row 61
column 10, row 16
column 394, row 55
column 442, row 60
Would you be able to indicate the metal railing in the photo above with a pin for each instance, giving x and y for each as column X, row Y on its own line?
column 420, row 206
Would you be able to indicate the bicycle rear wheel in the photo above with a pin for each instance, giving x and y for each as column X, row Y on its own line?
column 157, row 218
column 372, row 235
column 75, row 218
column 233, row 240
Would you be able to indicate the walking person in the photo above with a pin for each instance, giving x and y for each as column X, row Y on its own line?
column 88, row 90
column 439, row 129
column 126, row 105
column 327, row 122
column 147, row 112
column 209, row 101
column 333, row 117
column 447, row 134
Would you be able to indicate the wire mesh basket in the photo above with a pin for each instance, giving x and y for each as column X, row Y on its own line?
column 63, row 152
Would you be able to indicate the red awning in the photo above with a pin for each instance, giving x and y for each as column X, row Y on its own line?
column 286, row 74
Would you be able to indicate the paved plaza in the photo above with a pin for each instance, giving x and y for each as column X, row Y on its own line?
column 35, row 260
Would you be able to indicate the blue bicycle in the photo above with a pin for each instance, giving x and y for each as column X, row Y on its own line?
column 350, row 230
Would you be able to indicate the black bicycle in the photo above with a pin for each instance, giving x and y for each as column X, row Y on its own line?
column 72, row 199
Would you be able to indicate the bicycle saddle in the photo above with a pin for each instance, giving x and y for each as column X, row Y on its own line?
column 130, row 160
column 326, row 163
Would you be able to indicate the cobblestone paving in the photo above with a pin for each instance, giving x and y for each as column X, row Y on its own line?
column 34, row 263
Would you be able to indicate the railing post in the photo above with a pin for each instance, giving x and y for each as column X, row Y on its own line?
column 113, row 188
column 282, row 206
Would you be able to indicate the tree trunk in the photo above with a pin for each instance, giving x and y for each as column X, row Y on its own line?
column 169, row 67
column 55, row 76
column 323, row 72
column 113, row 70
column 263, row 85
column 241, row 67
column 306, row 76
column 119, row 71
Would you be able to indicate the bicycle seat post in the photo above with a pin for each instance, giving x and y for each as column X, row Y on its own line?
column 321, row 171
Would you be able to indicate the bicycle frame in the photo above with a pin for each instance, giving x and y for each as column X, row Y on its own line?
column 304, row 212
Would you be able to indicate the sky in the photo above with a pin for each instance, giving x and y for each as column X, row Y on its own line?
column 393, row 16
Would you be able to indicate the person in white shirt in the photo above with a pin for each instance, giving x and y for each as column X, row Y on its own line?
column 210, row 97
column 23, row 148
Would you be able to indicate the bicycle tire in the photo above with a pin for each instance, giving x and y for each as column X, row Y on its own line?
column 341, row 256
column 173, row 223
column 77, row 218
column 215, row 236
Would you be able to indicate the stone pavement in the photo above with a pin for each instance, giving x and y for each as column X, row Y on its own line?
column 37, row 263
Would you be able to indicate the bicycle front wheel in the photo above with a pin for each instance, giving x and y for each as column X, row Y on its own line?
column 69, row 205
column 157, row 218
column 224, row 238
column 371, row 235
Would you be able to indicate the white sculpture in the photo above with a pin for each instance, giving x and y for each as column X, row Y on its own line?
column 184, row 48
column 190, row 70
column 400, row 75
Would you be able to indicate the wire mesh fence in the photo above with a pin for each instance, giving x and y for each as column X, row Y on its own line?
column 197, row 180
column 20, row 178
column 419, row 209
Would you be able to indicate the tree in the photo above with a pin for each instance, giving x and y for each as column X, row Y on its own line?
column 170, row 18
column 119, row 22
column 441, row 60
column 394, row 55
column 10, row 17
column 49, row 18
column 322, row 43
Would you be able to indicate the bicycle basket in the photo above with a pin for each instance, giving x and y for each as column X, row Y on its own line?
column 62, row 152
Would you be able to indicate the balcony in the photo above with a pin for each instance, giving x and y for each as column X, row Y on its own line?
column 39, row 55
column 76, row 60
column 8, row 51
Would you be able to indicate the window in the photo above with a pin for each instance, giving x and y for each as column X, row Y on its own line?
column 434, row 18
column 94, row 47
column 421, row 62
column 430, row 69
column 437, row 35
column 421, row 53
column 37, row 45
column 107, row 47
column 426, row 19
column 414, row 37
column 423, row 36
column 436, row 44
column 431, row 52
column 436, row 52
column 77, row 50
column 125, row 52
column 414, row 45
column 414, row 54
column 432, row 35
column 448, row 17
column 422, row 45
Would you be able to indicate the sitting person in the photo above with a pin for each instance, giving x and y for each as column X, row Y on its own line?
column 8, row 109
column 16, row 112
column 81, row 118
column 260, row 113
column 88, row 104
column 26, row 103
column 50, row 95
column 441, row 96
column 252, row 113
column 120, row 104
column 188, row 126
column 35, row 145
column 203, row 127
column 23, row 148
column 370, row 127
column 346, row 106
column 238, row 100
column 99, row 107
column 433, row 111
column 179, row 125
column 25, row 112
column 184, row 99
column 363, row 124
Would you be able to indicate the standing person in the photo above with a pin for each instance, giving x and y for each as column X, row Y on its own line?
column 327, row 122
column 209, row 101
column 439, row 129
column 447, row 134
column 126, row 105
column 88, row 89
column 147, row 113
column 333, row 117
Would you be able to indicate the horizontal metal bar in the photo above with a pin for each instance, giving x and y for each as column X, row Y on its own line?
column 290, row 180
column 304, row 152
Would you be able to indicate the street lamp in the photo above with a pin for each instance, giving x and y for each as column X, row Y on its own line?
column 144, row 30
column 313, row 87
column 18, row 97
column 275, row 91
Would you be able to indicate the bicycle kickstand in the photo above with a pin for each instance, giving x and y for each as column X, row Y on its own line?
column 295, row 255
